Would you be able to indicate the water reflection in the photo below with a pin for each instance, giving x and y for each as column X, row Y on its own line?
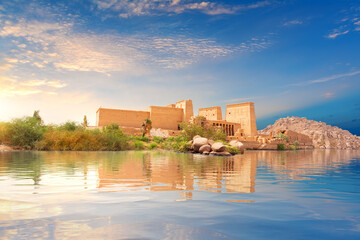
column 162, row 171
column 172, row 172
column 143, row 195
column 300, row 165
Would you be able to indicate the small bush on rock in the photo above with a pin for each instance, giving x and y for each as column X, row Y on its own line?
column 232, row 150
column 292, row 147
column 281, row 147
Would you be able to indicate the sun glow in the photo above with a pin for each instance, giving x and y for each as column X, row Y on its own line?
column 3, row 109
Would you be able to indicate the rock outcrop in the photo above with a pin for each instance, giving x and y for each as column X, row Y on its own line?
column 322, row 135
column 209, row 147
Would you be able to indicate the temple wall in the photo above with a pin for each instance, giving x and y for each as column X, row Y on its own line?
column 243, row 113
column 187, row 107
column 211, row 113
column 166, row 117
column 125, row 118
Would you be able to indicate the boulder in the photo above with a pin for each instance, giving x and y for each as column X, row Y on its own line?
column 233, row 143
column 196, row 136
column 211, row 142
column 218, row 147
column 204, row 148
column 239, row 145
column 206, row 153
column 198, row 142
column 220, row 154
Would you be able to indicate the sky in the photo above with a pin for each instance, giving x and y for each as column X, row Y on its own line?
column 291, row 58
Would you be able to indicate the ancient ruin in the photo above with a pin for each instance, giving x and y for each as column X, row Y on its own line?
column 239, row 122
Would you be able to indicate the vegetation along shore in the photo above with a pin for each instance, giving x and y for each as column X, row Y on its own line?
column 30, row 133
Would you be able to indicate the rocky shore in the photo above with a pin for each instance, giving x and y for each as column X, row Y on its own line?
column 323, row 136
column 209, row 147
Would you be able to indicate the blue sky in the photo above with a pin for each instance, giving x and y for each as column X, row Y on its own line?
column 67, row 58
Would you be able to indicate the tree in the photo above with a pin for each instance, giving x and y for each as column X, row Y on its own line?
column 85, row 122
column 146, row 127
column 37, row 117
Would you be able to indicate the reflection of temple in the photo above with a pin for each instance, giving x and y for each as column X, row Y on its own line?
column 168, row 172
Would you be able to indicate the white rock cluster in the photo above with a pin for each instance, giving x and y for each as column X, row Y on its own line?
column 322, row 135
column 209, row 147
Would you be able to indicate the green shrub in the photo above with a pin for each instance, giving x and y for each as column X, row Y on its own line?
column 139, row 145
column 111, row 127
column 115, row 140
column 180, row 139
column 152, row 145
column 24, row 132
column 64, row 140
column 89, row 140
column 191, row 130
column 180, row 146
column 292, row 147
column 283, row 136
column 71, row 126
column 218, row 135
column 296, row 143
column 158, row 140
column 232, row 150
column 5, row 137
column 280, row 147
column 141, row 138
column 170, row 139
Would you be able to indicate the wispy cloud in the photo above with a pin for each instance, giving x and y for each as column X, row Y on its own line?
column 57, row 45
column 12, row 86
column 348, row 24
column 337, row 33
column 239, row 100
column 129, row 8
column 293, row 22
column 326, row 79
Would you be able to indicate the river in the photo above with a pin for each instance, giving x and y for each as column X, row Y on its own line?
column 166, row 195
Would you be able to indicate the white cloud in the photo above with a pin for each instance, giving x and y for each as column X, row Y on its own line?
column 336, row 76
column 329, row 78
column 128, row 8
column 239, row 100
column 57, row 45
column 337, row 33
column 38, row 83
column 347, row 24
column 12, row 86
column 293, row 22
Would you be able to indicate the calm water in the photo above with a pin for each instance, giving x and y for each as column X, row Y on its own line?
column 165, row 195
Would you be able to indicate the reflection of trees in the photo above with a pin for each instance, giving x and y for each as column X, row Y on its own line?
column 25, row 165
column 32, row 165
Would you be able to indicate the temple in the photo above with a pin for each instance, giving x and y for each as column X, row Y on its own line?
column 239, row 122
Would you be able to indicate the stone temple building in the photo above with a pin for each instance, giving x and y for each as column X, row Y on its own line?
column 239, row 122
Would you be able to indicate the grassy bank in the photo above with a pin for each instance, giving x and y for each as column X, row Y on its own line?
column 30, row 133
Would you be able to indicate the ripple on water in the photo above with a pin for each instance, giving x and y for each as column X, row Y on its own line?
column 166, row 195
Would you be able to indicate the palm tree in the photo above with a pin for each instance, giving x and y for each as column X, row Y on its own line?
column 85, row 122
column 146, row 127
